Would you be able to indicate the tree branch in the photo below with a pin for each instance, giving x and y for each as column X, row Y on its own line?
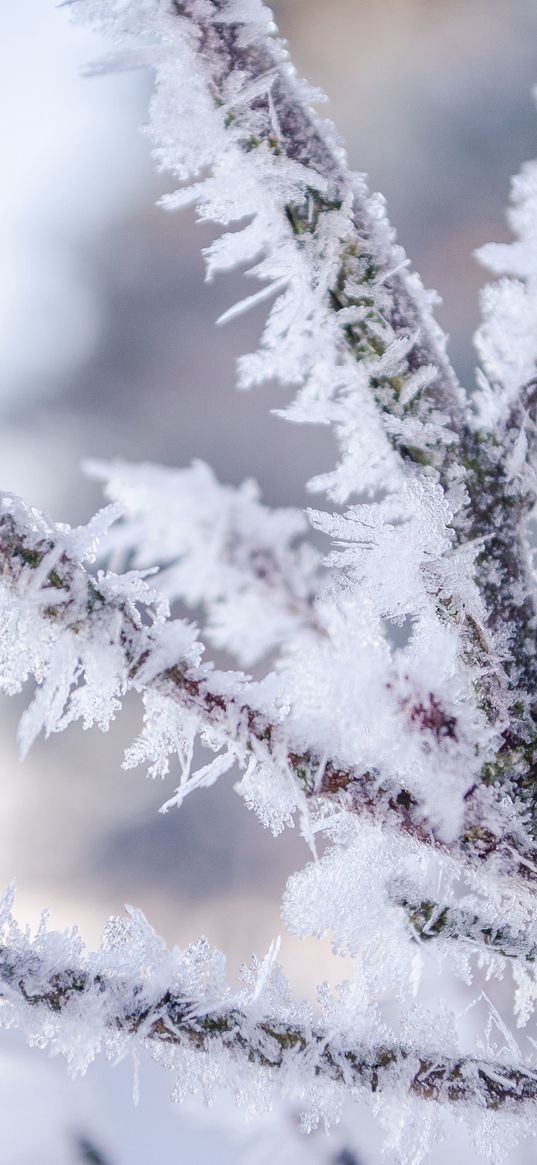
column 370, row 290
column 131, row 1008
column 501, row 500
column 32, row 555
column 429, row 920
column 327, row 246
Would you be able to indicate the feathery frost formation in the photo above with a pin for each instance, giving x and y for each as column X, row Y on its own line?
column 396, row 720
column 251, row 567
column 134, row 991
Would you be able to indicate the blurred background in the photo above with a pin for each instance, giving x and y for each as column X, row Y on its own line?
column 108, row 348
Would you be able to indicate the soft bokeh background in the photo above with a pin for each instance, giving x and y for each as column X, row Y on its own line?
column 107, row 348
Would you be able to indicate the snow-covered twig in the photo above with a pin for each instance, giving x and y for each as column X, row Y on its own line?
column 44, row 577
column 430, row 920
column 113, row 1009
column 349, row 324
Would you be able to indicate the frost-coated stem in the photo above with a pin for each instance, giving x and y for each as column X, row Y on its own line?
column 380, row 374
column 502, row 496
column 495, row 510
column 76, row 601
column 177, row 1020
column 277, row 118
column 429, row 920
column 496, row 507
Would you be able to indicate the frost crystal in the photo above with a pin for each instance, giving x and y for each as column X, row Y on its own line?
column 250, row 566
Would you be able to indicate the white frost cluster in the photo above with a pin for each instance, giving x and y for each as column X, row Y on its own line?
column 249, row 566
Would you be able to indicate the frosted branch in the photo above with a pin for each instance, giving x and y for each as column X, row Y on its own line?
column 503, row 462
column 258, row 1029
column 363, row 347
column 40, row 569
column 500, row 505
column 430, row 920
